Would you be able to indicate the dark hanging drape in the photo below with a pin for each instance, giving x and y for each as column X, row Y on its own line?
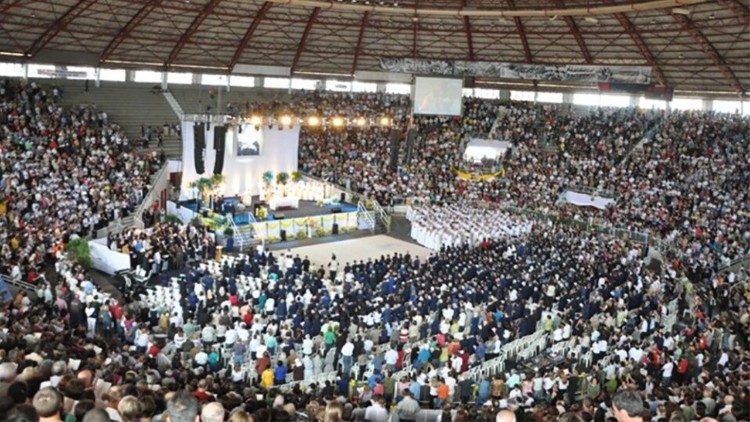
column 219, row 142
column 199, row 130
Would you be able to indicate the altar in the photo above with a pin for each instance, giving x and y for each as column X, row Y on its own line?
column 277, row 202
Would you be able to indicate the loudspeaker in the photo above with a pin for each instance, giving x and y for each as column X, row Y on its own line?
column 283, row 235
column 279, row 216
column 335, row 228
column 411, row 136
column 394, row 149
column 335, row 210
column 199, row 136
column 220, row 133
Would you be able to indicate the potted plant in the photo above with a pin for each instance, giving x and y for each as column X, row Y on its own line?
column 296, row 176
column 301, row 235
column 78, row 250
column 282, row 178
column 268, row 177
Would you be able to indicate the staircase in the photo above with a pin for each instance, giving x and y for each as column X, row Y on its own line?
column 243, row 235
column 128, row 104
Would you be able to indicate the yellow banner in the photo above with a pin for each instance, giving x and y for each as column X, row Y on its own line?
column 465, row 175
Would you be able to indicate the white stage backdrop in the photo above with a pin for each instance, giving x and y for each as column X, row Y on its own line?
column 243, row 173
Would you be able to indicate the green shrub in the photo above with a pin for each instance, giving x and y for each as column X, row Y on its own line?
column 229, row 232
column 78, row 250
column 171, row 218
column 320, row 232
column 301, row 235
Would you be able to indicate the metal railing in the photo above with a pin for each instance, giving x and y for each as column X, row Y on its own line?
column 364, row 214
column 742, row 262
column 368, row 204
column 19, row 284
column 159, row 182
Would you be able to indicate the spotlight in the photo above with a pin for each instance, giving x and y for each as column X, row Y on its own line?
column 591, row 19
column 361, row 121
column 256, row 120
column 385, row 121
column 338, row 121
column 286, row 120
column 313, row 121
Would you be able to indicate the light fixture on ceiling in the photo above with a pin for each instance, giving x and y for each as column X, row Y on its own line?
column 591, row 19
column 553, row 17
column 712, row 15
column 415, row 19
column 502, row 20
column 681, row 11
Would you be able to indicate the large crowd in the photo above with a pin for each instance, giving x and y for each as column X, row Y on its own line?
column 516, row 320
column 63, row 172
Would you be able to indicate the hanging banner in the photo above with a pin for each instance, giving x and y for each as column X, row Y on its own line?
column 537, row 72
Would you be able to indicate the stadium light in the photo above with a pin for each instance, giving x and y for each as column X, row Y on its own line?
column 338, row 121
column 313, row 121
column 361, row 122
column 286, row 120
column 385, row 121
column 256, row 120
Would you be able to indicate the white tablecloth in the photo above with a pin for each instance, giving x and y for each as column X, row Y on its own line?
column 284, row 202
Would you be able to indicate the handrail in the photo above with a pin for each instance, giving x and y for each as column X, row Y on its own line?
column 17, row 283
column 743, row 261
column 160, row 178
column 366, row 214
column 354, row 196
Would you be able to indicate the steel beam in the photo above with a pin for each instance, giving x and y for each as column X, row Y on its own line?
column 249, row 34
column 301, row 46
column 739, row 9
column 60, row 24
column 710, row 51
column 521, row 31
column 126, row 30
column 7, row 6
column 190, row 31
column 645, row 52
column 358, row 48
column 579, row 39
column 469, row 40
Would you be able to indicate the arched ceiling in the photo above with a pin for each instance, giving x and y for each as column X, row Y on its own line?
column 691, row 45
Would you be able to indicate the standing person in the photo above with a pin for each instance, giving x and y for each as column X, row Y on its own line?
column 333, row 267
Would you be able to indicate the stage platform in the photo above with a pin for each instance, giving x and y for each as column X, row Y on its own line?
column 308, row 209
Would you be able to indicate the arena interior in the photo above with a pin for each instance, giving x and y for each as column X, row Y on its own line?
column 374, row 210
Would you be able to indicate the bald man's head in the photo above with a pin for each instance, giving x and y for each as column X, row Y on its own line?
column 213, row 412
column 505, row 416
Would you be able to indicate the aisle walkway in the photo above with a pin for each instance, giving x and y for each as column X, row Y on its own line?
column 362, row 248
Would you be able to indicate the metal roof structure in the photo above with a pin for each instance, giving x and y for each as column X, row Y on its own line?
column 691, row 45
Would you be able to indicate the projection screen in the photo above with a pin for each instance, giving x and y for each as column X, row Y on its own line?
column 438, row 96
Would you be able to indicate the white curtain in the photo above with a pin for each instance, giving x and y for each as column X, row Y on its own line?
column 278, row 153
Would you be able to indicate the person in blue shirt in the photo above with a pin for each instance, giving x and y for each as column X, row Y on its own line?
column 279, row 374
column 484, row 392
column 415, row 389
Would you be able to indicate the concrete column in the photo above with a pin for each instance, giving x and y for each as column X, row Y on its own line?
column 164, row 80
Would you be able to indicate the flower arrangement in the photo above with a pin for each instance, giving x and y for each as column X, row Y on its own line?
column 301, row 235
column 282, row 178
column 296, row 176
column 268, row 177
